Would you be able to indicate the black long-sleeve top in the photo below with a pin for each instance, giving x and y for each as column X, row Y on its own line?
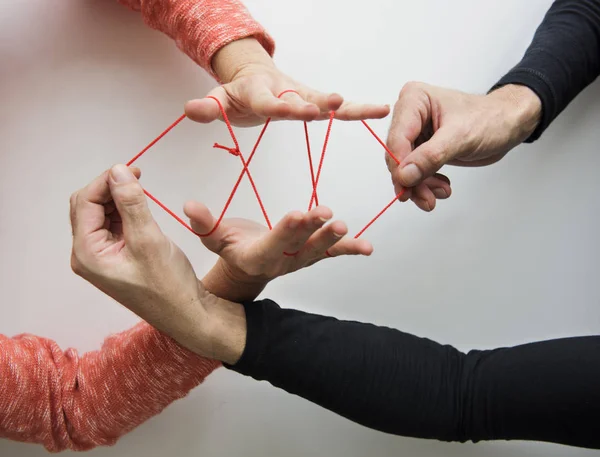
column 398, row 383
column 563, row 58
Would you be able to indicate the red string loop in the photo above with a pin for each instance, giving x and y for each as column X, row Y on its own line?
column 314, row 200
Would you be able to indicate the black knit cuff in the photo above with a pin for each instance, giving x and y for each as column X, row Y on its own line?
column 257, row 335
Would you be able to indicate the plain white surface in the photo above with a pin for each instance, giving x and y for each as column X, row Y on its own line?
column 511, row 257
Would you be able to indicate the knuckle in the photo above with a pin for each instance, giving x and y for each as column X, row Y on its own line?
column 130, row 196
column 410, row 87
column 436, row 155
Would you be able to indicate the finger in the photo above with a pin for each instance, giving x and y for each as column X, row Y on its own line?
column 311, row 222
column 355, row 111
column 322, row 240
column 299, row 109
column 132, row 205
column 204, row 224
column 423, row 197
column 278, row 240
column 203, row 110
column 350, row 246
column 439, row 185
column 325, row 102
column 264, row 103
column 428, row 158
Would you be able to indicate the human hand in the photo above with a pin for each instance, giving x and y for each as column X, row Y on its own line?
column 252, row 255
column 119, row 248
column 434, row 126
column 251, row 89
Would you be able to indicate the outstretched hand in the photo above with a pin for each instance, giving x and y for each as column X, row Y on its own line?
column 251, row 88
column 251, row 252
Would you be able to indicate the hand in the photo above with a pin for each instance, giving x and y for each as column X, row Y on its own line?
column 433, row 126
column 253, row 255
column 252, row 84
column 119, row 248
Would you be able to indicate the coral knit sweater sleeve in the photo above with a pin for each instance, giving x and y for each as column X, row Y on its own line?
column 66, row 401
column 201, row 27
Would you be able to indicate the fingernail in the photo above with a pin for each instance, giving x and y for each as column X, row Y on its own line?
column 411, row 174
column 294, row 223
column 337, row 235
column 440, row 193
column 121, row 174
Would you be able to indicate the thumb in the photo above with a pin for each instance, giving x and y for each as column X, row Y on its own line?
column 130, row 201
column 428, row 158
column 206, row 110
column 204, row 224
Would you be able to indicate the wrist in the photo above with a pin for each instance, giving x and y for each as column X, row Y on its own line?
column 522, row 110
column 232, row 284
column 232, row 58
column 224, row 331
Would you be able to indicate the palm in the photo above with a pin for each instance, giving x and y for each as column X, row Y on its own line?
column 297, row 241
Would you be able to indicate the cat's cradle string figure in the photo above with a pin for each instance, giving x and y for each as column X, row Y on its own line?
column 236, row 151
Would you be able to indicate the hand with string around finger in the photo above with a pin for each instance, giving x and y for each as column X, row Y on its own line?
column 254, row 255
column 252, row 87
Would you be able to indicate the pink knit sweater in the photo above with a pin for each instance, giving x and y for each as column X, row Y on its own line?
column 201, row 27
column 65, row 401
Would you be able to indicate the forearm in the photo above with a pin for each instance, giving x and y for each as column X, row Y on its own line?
column 200, row 28
column 401, row 384
column 563, row 58
column 62, row 401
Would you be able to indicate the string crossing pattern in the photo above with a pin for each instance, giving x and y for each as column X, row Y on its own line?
column 236, row 151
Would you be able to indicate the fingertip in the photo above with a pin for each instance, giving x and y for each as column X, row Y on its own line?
column 334, row 102
column 424, row 204
column 121, row 174
column 196, row 210
column 365, row 247
column 188, row 207
column 305, row 113
column 203, row 110
column 339, row 229
column 293, row 220
column 442, row 193
column 382, row 112
column 321, row 212
column 136, row 172
column 409, row 175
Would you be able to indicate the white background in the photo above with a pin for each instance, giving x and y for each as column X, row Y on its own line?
column 511, row 257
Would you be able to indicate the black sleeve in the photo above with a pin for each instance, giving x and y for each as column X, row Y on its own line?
column 401, row 384
column 563, row 58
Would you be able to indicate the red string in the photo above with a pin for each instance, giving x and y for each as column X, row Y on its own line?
column 241, row 156
column 313, row 197
column 245, row 171
column 156, row 140
column 381, row 143
column 310, row 164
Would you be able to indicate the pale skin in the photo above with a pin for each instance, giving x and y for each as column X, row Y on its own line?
column 251, row 83
column 433, row 126
column 119, row 248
